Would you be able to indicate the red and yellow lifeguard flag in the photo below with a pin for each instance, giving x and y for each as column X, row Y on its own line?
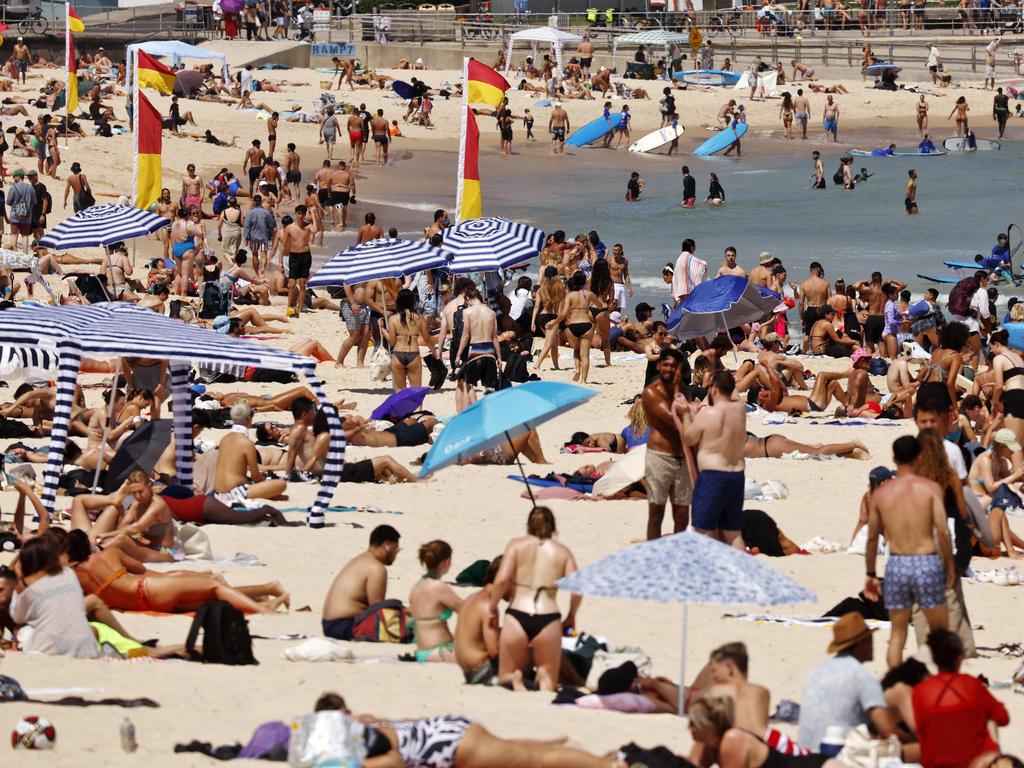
column 470, row 202
column 75, row 24
column 71, row 24
column 153, row 74
column 148, row 138
column 484, row 85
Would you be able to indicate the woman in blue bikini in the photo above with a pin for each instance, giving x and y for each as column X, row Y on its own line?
column 432, row 602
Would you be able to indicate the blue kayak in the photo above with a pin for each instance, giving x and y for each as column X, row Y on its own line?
column 721, row 140
column 594, row 130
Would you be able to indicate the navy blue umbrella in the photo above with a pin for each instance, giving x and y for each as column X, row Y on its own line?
column 721, row 304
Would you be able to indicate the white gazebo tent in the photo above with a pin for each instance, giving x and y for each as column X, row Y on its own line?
column 651, row 38
column 175, row 50
column 550, row 36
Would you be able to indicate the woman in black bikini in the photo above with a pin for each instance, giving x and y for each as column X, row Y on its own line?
column 604, row 301
column 711, row 724
column 404, row 332
column 550, row 296
column 1008, row 391
column 947, row 360
column 579, row 324
column 533, row 625
column 776, row 446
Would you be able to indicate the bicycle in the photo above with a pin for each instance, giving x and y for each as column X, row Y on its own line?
column 34, row 24
column 730, row 24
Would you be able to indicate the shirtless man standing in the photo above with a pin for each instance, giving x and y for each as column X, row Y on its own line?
column 253, row 162
column 909, row 510
column 814, row 293
column 729, row 265
column 292, row 173
column 719, row 431
column 362, row 583
column 618, row 266
column 477, row 633
column 558, row 127
column 801, row 109
column 356, row 314
column 586, row 54
column 871, row 292
column 343, row 190
column 21, row 57
column 381, row 136
column 354, row 125
column 322, row 179
column 830, row 118
column 296, row 247
column 818, row 176
column 272, row 122
column 238, row 475
column 370, row 230
column 668, row 473
column 479, row 347
column 910, row 202
column 192, row 187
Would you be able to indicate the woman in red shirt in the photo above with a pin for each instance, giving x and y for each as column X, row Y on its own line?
column 953, row 710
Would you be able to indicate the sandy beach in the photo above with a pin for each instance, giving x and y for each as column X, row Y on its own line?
column 477, row 509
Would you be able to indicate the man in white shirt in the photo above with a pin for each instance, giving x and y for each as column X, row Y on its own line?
column 689, row 272
column 934, row 61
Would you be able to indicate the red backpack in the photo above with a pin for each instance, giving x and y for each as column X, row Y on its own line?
column 383, row 622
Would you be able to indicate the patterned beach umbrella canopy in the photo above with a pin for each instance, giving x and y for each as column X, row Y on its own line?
column 103, row 225
column 377, row 260
column 686, row 568
column 490, row 244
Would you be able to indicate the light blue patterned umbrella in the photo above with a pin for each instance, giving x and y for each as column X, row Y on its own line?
column 688, row 568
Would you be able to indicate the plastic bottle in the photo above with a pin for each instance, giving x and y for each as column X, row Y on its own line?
column 128, row 743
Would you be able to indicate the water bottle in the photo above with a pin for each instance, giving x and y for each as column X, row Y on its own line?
column 832, row 743
column 128, row 743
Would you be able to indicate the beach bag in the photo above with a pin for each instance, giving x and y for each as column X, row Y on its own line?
column 226, row 638
column 380, row 365
column 216, row 300
column 961, row 295
column 86, row 199
column 269, row 742
column 878, row 366
column 11, row 690
column 383, row 622
column 862, row 751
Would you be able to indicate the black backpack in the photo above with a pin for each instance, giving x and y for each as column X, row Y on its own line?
column 216, row 300
column 226, row 638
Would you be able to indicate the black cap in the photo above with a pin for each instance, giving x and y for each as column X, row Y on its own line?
column 879, row 475
column 643, row 306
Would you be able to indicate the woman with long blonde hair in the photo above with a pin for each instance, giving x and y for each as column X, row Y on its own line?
column 546, row 308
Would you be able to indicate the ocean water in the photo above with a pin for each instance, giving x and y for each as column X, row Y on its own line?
column 964, row 199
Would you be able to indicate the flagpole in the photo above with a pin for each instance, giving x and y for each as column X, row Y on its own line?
column 67, row 76
column 134, row 197
column 462, row 139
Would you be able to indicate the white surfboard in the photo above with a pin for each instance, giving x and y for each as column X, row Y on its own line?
column 657, row 139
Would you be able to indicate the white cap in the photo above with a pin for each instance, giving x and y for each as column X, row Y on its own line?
column 615, row 317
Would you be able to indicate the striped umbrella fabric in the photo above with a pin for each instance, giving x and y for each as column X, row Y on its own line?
column 124, row 330
column 103, row 225
column 377, row 260
column 490, row 244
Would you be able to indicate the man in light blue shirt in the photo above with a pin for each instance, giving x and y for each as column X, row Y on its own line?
column 841, row 691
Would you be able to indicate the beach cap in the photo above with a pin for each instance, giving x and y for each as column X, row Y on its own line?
column 1006, row 437
column 765, row 258
column 32, row 172
column 615, row 317
column 643, row 306
column 222, row 323
column 858, row 355
column 770, row 338
column 848, row 631
column 879, row 475
column 617, row 680
column 18, row 173
column 76, row 167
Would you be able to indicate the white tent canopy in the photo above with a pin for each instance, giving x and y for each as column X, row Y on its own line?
column 175, row 51
column 554, row 38
column 651, row 38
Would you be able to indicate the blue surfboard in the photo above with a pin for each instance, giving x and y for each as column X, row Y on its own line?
column 962, row 265
column 721, row 140
column 1016, row 331
column 944, row 280
column 594, row 130
column 718, row 77
column 403, row 89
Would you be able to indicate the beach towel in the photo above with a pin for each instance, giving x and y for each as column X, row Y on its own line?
column 634, row 703
column 318, row 649
column 584, row 485
column 796, row 621
column 559, row 492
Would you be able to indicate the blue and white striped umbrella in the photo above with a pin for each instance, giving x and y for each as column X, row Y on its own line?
column 103, row 225
column 489, row 244
column 688, row 568
column 377, row 260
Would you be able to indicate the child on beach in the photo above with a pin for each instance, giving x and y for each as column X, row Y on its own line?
column 528, row 124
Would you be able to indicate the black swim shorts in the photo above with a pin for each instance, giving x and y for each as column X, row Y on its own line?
column 299, row 265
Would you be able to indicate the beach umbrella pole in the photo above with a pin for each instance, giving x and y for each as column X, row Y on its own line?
column 725, row 326
column 682, row 668
column 106, row 426
column 522, row 472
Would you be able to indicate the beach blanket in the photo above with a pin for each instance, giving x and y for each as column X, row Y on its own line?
column 797, row 621
column 579, row 484
column 17, row 260
column 560, row 492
